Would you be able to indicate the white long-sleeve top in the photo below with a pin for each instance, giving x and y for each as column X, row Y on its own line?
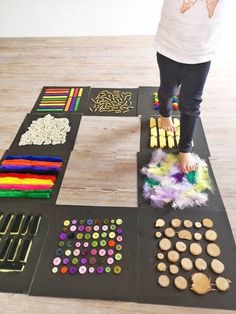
column 190, row 37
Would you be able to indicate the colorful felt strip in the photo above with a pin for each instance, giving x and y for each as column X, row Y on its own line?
column 28, row 175
column 10, row 180
column 32, row 163
column 38, row 158
column 27, row 194
column 25, row 187
column 60, row 99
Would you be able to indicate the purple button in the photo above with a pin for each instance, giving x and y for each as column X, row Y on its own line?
column 66, row 261
column 77, row 244
column 91, row 270
column 73, row 270
column 63, row 236
column 74, row 222
column 119, row 230
column 83, row 261
column 84, row 252
column 100, row 270
column 81, row 228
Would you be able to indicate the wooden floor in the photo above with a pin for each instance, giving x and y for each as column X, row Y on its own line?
column 102, row 168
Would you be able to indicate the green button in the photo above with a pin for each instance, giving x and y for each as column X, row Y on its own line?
column 82, row 221
column 119, row 221
column 87, row 236
column 79, row 236
column 95, row 235
column 61, row 243
column 112, row 235
column 113, row 227
column 103, row 243
column 118, row 257
column 117, row 270
column 75, row 261
column 107, row 269
column 66, row 223
column 118, row 247
column 103, row 234
column 106, row 221
column 94, row 243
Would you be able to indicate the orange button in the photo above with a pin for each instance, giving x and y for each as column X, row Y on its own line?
column 64, row 270
column 111, row 243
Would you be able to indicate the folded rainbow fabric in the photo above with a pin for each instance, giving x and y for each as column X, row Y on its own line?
column 29, row 176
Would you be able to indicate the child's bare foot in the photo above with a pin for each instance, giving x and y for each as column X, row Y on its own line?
column 187, row 163
column 167, row 124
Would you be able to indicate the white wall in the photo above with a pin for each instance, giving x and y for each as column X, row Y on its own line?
column 32, row 18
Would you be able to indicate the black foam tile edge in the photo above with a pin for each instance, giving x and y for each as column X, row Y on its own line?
column 20, row 282
column 200, row 143
column 146, row 102
column 215, row 202
column 96, row 90
column 74, row 122
column 55, row 189
column 83, row 102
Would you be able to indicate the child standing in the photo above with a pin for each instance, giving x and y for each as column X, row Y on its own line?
column 186, row 41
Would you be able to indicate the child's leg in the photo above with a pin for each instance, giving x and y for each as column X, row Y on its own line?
column 192, row 84
column 170, row 74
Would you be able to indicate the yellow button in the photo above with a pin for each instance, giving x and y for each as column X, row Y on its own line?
column 66, row 223
column 117, row 270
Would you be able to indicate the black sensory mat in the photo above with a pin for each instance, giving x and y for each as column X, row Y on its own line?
column 148, row 289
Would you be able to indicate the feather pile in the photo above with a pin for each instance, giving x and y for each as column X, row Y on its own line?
column 165, row 183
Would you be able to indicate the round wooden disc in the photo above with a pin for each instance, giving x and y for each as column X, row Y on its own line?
column 176, row 223
column 200, row 264
column 161, row 266
column 173, row 256
column 217, row 266
column 198, row 225
column 160, row 223
column 197, row 236
column 180, row 246
column 201, row 284
column 195, row 249
column 165, row 244
column 169, row 232
column 207, row 223
column 181, row 283
column 174, row 269
column 187, row 223
column 163, row 281
column 160, row 256
column 213, row 250
column 185, row 234
column 186, row 263
column 210, row 235
column 158, row 234
column 222, row 284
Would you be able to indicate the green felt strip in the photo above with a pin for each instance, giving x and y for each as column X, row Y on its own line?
column 28, row 194
column 192, row 177
column 77, row 104
column 151, row 182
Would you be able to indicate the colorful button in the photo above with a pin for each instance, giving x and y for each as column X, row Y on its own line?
column 100, row 270
column 75, row 261
column 92, row 260
column 69, row 243
column 66, row 223
column 88, row 228
column 87, row 236
column 96, row 228
column 94, row 252
column 89, row 222
column 118, row 247
column 61, row 243
column 112, row 221
column 84, row 252
column 110, row 252
column 81, row 228
column 118, row 256
column 104, row 228
column 103, row 234
column 83, row 261
column 117, row 270
column 106, row 221
column 119, row 230
column 112, row 235
column 82, row 269
column 73, row 228
column 112, row 227
column 94, row 243
column 79, row 236
column 91, row 270
column 95, row 235
column 63, row 236
column 119, row 239
column 54, row 270
column 86, row 244
column 76, row 252
column 119, row 221
column 111, row 243
column 64, row 270
column 56, row 261
column 103, row 243
column 102, row 252
column 78, row 244
column 73, row 270
column 107, row 269
column 66, row 261
column 74, row 221
column 67, row 252
column 59, row 252
column 82, row 221
column 110, row 260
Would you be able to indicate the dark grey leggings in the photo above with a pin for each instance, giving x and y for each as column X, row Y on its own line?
column 192, row 78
